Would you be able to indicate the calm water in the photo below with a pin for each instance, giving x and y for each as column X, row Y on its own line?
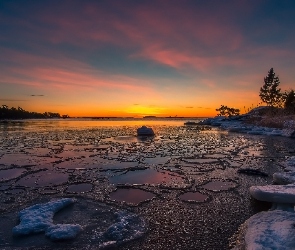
column 183, row 181
column 79, row 123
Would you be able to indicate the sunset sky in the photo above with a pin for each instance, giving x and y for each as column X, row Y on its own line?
column 138, row 58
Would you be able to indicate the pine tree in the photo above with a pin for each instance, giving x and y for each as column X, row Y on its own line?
column 269, row 92
column 290, row 101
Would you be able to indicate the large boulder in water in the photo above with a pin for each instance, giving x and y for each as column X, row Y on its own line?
column 145, row 131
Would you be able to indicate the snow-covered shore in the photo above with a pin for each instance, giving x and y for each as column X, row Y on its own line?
column 272, row 229
column 242, row 124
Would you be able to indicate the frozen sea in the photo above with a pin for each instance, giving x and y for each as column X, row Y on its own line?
column 181, row 185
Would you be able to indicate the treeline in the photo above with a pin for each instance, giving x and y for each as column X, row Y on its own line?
column 270, row 93
column 19, row 113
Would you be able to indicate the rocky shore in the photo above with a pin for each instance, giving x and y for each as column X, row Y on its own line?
column 273, row 229
column 256, row 123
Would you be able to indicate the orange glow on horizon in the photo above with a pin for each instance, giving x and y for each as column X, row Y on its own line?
column 94, row 109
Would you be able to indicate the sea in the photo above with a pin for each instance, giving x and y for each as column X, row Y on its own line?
column 179, row 189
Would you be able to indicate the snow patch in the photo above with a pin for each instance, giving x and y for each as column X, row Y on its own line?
column 235, row 124
column 271, row 230
column 39, row 218
column 128, row 227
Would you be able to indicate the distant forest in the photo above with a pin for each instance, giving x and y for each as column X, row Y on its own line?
column 19, row 113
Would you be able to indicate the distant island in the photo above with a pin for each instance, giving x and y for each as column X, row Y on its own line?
column 149, row 117
column 13, row 113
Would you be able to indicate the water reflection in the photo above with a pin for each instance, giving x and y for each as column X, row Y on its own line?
column 131, row 195
column 43, row 178
column 193, row 197
column 82, row 123
column 79, row 188
column 12, row 173
column 148, row 176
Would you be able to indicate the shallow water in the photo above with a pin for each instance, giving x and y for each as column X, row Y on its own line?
column 193, row 197
column 183, row 181
column 131, row 195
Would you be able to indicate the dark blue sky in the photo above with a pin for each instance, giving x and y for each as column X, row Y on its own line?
column 142, row 57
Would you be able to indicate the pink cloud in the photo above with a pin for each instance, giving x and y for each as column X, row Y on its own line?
column 167, row 33
column 64, row 73
column 180, row 37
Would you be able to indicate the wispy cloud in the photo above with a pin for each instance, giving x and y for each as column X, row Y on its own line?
column 13, row 100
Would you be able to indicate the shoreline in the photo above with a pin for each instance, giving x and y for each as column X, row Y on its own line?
column 254, row 233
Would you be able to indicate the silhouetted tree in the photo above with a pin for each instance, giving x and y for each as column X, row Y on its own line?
column 269, row 92
column 19, row 113
column 227, row 111
column 289, row 104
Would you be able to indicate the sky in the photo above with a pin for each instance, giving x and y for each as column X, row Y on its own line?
column 138, row 58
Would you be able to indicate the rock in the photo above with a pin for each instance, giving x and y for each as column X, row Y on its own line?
column 268, row 230
column 288, row 132
column 145, row 131
column 289, row 124
column 251, row 171
column 282, row 196
column 284, row 178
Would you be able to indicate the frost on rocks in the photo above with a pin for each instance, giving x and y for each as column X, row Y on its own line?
column 269, row 230
column 39, row 218
column 128, row 227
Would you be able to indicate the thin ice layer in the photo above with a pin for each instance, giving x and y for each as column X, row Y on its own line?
column 129, row 226
column 63, row 231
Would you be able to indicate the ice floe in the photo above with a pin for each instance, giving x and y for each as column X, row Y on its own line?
column 288, row 176
column 129, row 226
column 63, row 231
column 272, row 229
column 39, row 218
column 282, row 196
column 269, row 230
column 123, row 225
